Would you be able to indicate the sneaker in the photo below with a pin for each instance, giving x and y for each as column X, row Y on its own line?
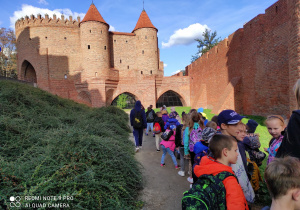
column 146, row 134
column 176, row 167
column 140, row 147
column 136, row 149
column 153, row 135
column 162, row 165
column 158, row 150
column 191, row 185
column 190, row 180
column 181, row 173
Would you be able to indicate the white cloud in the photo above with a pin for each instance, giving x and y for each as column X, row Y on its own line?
column 165, row 65
column 176, row 72
column 111, row 28
column 186, row 36
column 29, row 10
column 43, row 2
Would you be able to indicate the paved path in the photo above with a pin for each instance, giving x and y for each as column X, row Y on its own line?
column 163, row 186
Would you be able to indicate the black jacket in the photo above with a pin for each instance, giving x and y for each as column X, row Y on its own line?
column 178, row 136
column 154, row 115
column 291, row 141
column 161, row 123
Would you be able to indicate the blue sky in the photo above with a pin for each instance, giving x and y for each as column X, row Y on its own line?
column 178, row 22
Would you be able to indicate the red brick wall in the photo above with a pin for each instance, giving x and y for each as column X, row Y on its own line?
column 249, row 71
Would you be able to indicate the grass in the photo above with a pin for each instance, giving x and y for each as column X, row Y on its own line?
column 55, row 147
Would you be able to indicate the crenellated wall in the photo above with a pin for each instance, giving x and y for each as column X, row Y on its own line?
column 250, row 71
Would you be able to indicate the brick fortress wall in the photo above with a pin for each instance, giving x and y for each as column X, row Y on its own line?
column 250, row 71
column 85, row 62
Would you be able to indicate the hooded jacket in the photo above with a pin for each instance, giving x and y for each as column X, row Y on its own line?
column 235, row 199
column 171, row 121
column 291, row 141
column 137, row 108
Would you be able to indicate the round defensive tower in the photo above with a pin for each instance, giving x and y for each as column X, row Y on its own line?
column 147, row 54
column 94, row 38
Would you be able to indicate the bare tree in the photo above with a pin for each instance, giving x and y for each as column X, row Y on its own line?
column 8, row 60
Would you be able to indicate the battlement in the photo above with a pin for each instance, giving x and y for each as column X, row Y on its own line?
column 33, row 21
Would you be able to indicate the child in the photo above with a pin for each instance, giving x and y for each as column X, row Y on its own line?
column 229, row 122
column 165, row 115
column 158, row 121
column 192, row 135
column 252, row 143
column 275, row 125
column 215, row 119
column 169, row 146
column 179, row 142
column 282, row 176
column 212, row 124
column 223, row 149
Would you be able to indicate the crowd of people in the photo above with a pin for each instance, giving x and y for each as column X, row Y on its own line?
column 224, row 156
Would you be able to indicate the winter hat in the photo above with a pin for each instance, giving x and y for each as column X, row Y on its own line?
column 165, row 107
column 208, row 133
column 252, row 124
column 229, row 117
column 172, row 115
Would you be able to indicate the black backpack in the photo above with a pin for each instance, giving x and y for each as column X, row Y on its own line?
column 138, row 120
column 208, row 192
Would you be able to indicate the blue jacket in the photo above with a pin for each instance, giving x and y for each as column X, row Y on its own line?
column 171, row 121
column 138, row 107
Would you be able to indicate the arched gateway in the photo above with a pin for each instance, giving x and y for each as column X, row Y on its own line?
column 170, row 98
column 28, row 72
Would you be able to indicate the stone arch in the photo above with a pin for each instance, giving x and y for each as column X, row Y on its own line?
column 85, row 97
column 170, row 98
column 130, row 102
column 28, row 72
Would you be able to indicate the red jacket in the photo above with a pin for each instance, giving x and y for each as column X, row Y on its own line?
column 235, row 199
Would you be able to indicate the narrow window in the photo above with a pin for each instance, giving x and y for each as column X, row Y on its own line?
column 151, row 72
column 46, row 37
column 66, row 77
column 227, row 43
column 65, row 37
column 115, row 41
column 120, row 61
column 127, row 67
column 145, row 37
column 126, row 41
column 141, row 72
column 104, row 47
column 89, row 46
column 276, row 8
column 143, row 52
column 29, row 38
column 101, row 31
column 96, row 74
column 90, row 31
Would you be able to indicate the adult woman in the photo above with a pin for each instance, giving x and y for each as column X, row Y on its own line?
column 290, row 145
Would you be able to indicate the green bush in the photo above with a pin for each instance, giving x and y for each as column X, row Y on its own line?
column 54, row 147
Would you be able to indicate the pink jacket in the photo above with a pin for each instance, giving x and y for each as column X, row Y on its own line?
column 170, row 143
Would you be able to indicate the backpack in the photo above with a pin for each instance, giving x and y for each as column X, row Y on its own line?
column 150, row 116
column 195, row 136
column 138, row 120
column 167, row 134
column 254, row 174
column 156, row 128
column 208, row 192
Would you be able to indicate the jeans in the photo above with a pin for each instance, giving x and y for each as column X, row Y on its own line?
column 138, row 136
column 181, row 150
column 149, row 125
column 165, row 150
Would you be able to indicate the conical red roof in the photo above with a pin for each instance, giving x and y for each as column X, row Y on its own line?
column 144, row 22
column 93, row 15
